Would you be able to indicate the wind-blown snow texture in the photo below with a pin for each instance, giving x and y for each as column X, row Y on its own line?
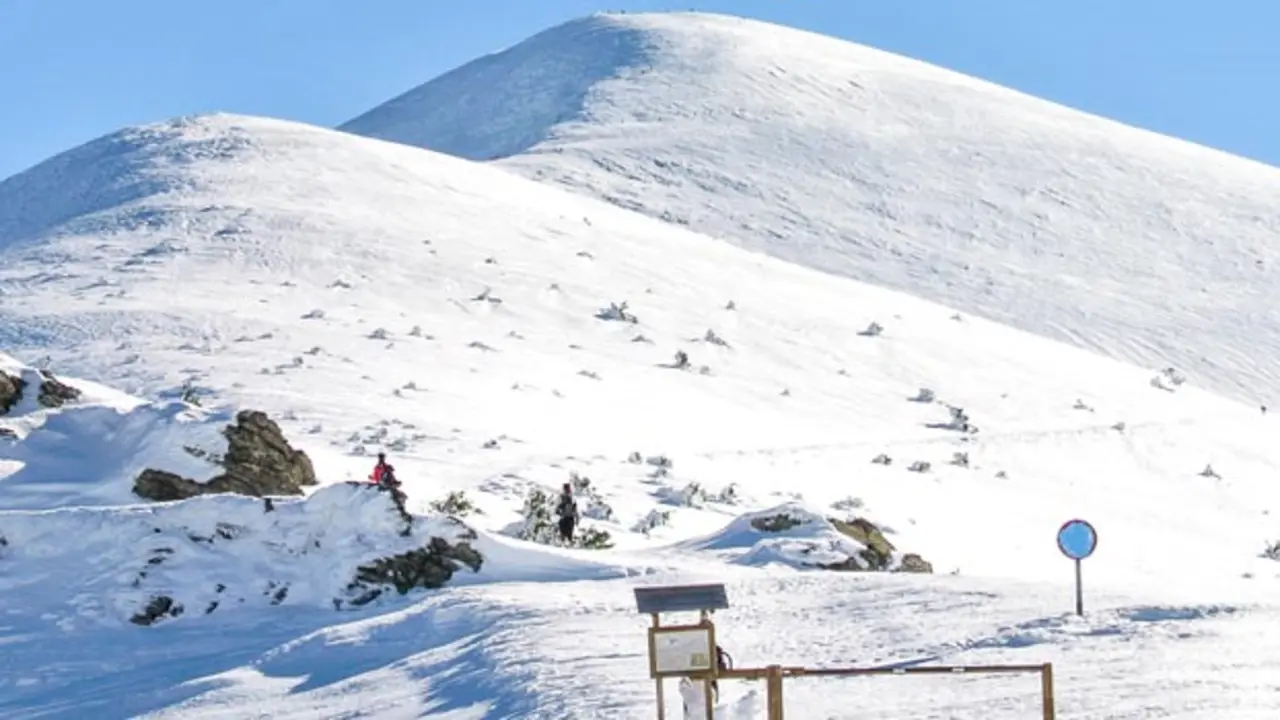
column 887, row 170
column 374, row 296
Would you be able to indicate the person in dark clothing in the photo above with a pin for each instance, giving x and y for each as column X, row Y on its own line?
column 567, row 513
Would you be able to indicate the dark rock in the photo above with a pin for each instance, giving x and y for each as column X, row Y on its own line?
column 8, row 434
column 11, row 387
column 259, row 462
column 879, row 552
column 160, row 606
column 775, row 523
column 55, row 393
column 428, row 567
column 913, row 563
column 163, row 486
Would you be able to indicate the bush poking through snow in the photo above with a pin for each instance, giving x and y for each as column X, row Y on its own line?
column 1272, row 551
column 924, row 396
column 882, row 459
column 617, row 312
column 849, row 503
column 655, row 519
column 872, row 330
column 715, row 339
column 960, row 459
column 590, row 503
column 456, row 504
column 920, row 466
column 1209, row 472
column 728, row 495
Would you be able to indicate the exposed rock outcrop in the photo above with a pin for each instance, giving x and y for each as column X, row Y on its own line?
column 50, row 393
column 258, row 462
column 427, row 568
column 54, row 393
column 880, row 554
column 11, row 387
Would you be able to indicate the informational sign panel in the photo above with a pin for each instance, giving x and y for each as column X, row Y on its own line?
column 682, row 650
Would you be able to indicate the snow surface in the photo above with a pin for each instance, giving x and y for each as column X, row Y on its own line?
column 372, row 296
column 888, row 170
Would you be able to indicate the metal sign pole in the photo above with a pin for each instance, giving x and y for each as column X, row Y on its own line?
column 1079, row 591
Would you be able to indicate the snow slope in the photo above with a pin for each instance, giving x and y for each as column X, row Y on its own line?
column 374, row 296
column 877, row 167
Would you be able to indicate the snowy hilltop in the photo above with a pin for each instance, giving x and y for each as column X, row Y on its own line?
column 212, row 326
column 888, row 170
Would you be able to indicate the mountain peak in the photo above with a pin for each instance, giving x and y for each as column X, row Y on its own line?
column 866, row 164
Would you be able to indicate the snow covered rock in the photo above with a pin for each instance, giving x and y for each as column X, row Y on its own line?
column 795, row 536
column 50, row 392
column 344, row 545
column 259, row 461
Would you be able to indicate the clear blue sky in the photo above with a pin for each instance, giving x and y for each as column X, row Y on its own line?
column 71, row 70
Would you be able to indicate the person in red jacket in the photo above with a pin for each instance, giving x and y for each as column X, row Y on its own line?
column 382, row 472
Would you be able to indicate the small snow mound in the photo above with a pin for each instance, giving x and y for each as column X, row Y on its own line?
column 90, row 454
column 788, row 534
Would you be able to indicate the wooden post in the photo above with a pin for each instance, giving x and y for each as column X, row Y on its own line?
column 1046, row 692
column 662, row 703
column 773, row 692
column 705, row 618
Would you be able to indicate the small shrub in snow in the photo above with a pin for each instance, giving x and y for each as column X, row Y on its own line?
column 681, row 360
column 882, row 459
column 1119, row 427
column 480, row 346
column 731, row 305
column 486, row 295
column 920, row 466
column 593, row 539
column 849, row 503
column 960, row 458
column 872, row 330
column 589, row 374
column 1080, row 405
column 641, row 339
column 590, row 503
column 1168, row 379
column 634, row 458
column 661, row 461
column 455, row 503
column 1272, row 551
column 924, row 396
column 715, row 339
column 655, row 519
column 617, row 312
column 378, row 334
column 692, row 495
column 1209, row 472
column 728, row 495
column 316, row 314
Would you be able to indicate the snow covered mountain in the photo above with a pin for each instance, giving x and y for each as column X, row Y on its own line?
column 891, row 171
column 499, row 337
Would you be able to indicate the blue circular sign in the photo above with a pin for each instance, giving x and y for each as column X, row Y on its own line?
column 1077, row 539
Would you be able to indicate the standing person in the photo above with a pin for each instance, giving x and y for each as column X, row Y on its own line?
column 567, row 512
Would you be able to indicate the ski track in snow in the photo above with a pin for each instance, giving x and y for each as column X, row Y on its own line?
column 374, row 296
